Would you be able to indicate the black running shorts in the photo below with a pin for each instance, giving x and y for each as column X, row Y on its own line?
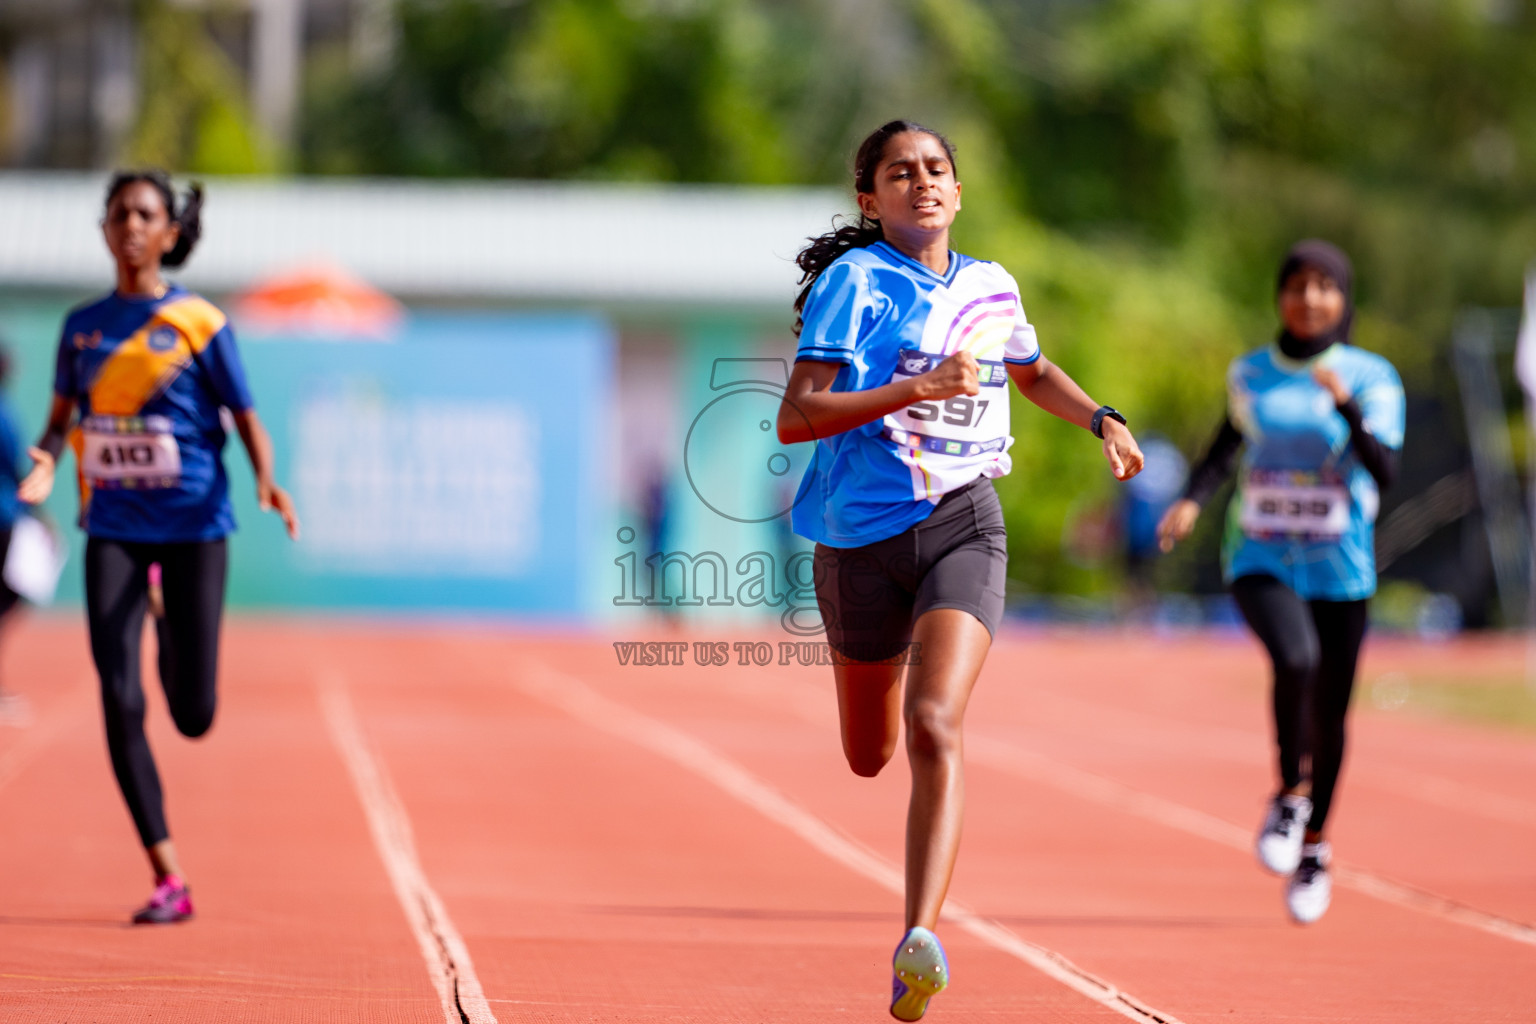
column 956, row 558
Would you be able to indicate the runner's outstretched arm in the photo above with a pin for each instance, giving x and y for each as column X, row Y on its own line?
column 1049, row 387
column 811, row 409
column 38, row 483
column 1205, row 478
column 258, row 444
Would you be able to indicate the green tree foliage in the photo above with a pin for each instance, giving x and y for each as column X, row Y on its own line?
column 193, row 113
column 1406, row 131
column 743, row 91
column 573, row 88
column 1139, row 166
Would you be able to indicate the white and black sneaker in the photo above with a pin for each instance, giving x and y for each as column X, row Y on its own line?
column 1279, row 842
column 1310, row 889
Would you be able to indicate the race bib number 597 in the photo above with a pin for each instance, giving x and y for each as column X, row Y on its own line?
column 955, row 426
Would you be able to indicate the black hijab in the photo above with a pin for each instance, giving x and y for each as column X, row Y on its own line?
column 1329, row 259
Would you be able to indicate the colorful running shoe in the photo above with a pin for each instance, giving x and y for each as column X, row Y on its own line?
column 1279, row 843
column 1310, row 889
column 171, row 902
column 156, row 590
column 920, row 971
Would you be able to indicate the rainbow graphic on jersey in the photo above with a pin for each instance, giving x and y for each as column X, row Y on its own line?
column 983, row 325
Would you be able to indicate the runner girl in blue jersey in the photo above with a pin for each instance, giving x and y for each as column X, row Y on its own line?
column 1320, row 423
column 901, row 379
column 149, row 368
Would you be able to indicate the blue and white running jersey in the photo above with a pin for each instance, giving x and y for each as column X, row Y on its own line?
column 1305, row 507
column 887, row 317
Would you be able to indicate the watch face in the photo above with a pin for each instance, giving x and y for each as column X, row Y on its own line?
column 734, row 460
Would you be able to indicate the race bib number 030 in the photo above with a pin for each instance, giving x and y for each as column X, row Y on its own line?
column 130, row 452
column 1294, row 505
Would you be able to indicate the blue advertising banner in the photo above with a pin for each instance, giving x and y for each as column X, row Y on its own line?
column 460, row 467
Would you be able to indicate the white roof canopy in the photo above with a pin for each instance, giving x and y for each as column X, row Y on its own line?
column 480, row 240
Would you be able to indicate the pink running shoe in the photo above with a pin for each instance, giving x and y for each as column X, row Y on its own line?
column 171, row 902
column 156, row 590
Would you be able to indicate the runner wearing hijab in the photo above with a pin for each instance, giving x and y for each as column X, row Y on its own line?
column 901, row 379
column 149, row 367
column 1321, row 424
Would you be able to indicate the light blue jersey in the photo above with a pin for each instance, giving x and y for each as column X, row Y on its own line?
column 887, row 317
column 1305, row 507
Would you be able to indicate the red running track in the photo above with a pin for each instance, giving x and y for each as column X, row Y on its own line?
column 401, row 822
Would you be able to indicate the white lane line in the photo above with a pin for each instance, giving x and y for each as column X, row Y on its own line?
column 46, row 726
column 446, row 956
column 790, row 693
column 580, row 701
column 1458, row 796
column 1106, row 792
column 1161, row 733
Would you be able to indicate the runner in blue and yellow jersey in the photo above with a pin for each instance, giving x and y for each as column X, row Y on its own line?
column 1320, row 423
column 901, row 379
column 148, row 368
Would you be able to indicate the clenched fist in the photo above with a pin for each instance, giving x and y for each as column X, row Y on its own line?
column 957, row 375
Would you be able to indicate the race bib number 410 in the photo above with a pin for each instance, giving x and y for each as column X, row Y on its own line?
column 130, row 452
column 1290, row 504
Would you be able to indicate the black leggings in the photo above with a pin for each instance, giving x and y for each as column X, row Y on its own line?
column 1314, row 646
column 116, row 592
column 8, row 597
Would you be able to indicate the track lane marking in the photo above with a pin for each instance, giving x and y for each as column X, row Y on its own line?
column 221, row 978
column 585, row 704
column 442, row 948
column 1157, row 732
column 811, row 705
column 46, row 726
column 1021, row 763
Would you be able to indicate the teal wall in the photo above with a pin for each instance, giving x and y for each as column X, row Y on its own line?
column 732, row 483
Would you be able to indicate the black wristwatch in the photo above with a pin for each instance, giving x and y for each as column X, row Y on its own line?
column 1097, row 426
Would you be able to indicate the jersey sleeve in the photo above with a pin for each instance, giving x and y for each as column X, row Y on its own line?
column 1383, row 405
column 1240, row 398
column 838, row 311
column 11, row 467
column 65, row 380
column 1022, row 346
column 226, row 373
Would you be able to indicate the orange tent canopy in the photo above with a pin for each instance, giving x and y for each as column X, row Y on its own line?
column 318, row 299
